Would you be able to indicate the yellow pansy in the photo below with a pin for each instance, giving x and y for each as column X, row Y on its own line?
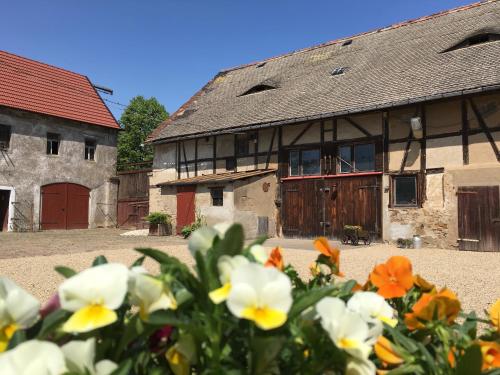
column 260, row 294
column 226, row 265
column 18, row 310
column 93, row 295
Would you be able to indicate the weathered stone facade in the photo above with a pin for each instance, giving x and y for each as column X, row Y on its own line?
column 25, row 166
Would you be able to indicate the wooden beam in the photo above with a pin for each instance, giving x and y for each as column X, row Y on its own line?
column 280, row 153
column 196, row 157
column 256, row 150
column 423, row 141
column 185, row 159
column 485, row 128
column 465, row 133
column 178, row 147
column 268, row 157
column 301, row 134
column 322, row 156
column 357, row 126
column 335, row 132
column 385, row 140
column 405, row 156
column 214, row 156
column 235, row 152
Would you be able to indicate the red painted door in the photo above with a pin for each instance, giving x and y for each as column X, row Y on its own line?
column 65, row 206
column 185, row 206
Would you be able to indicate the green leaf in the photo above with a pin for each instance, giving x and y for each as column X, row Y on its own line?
column 402, row 340
column 18, row 338
column 100, row 260
column 470, row 363
column 232, row 243
column 165, row 318
column 407, row 369
column 309, row 299
column 157, row 255
column 52, row 321
column 124, row 368
column 138, row 262
column 65, row 271
column 264, row 353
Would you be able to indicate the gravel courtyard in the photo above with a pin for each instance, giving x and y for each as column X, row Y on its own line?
column 474, row 276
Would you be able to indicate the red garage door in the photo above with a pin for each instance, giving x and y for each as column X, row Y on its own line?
column 185, row 206
column 65, row 206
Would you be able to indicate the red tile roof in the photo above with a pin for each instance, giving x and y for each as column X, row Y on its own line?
column 37, row 87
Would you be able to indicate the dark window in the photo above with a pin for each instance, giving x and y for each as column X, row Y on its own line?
column 475, row 40
column 4, row 137
column 241, row 145
column 258, row 88
column 304, row 162
column 357, row 158
column 405, row 191
column 217, row 194
column 90, row 146
column 311, row 162
column 53, row 141
column 230, row 164
column 294, row 163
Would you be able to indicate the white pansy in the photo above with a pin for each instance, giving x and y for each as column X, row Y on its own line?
column 201, row 240
column 18, row 310
column 221, row 228
column 259, row 253
column 33, row 358
column 261, row 294
column 93, row 295
column 373, row 308
column 346, row 328
column 360, row 366
column 149, row 293
column 80, row 357
column 226, row 265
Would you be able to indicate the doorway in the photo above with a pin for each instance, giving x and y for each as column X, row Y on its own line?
column 4, row 210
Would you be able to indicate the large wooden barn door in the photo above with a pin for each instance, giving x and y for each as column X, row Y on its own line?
column 316, row 207
column 65, row 206
column 185, row 206
column 479, row 218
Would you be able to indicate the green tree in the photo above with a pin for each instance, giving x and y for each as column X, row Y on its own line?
column 138, row 120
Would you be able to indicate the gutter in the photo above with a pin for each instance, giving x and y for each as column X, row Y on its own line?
column 322, row 116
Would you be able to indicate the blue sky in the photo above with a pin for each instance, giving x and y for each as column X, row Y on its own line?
column 171, row 48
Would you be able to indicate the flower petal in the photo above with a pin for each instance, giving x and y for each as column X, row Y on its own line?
column 20, row 306
column 220, row 295
column 241, row 296
column 89, row 318
column 80, row 355
column 265, row 318
column 201, row 240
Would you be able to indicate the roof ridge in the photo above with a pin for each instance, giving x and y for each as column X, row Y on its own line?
column 43, row 63
column 374, row 31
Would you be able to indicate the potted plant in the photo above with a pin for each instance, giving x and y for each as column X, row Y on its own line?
column 160, row 224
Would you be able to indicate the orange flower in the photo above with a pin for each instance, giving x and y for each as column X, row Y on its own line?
column 394, row 278
column 423, row 284
column 443, row 305
column 333, row 254
column 491, row 354
column 384, row 349
column 495, row 315
column 275, row 259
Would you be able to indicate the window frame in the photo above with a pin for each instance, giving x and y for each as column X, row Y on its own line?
column 5, row 145
column 393, row 186
column 53, row 138
column 352, row 147
column 301, row 169
column 215, row 190
column 93, row 145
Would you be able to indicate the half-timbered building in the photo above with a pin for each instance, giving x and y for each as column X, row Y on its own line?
column 396, row 130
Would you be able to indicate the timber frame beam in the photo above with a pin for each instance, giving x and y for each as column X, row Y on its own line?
column 485, row 128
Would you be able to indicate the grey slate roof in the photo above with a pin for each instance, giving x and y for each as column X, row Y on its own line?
column 386, row 67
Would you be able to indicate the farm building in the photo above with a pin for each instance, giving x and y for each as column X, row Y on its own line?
column 57, row 149
column 396, row 130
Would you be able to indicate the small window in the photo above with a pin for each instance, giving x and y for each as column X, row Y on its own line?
column 347, row 43
column 338, row 71
column 304, row 162
column 294, row 163
column 217, row 195
column 357, row 158
column 230, row 164
column 405, row 191
column 53, row 141
column 243, row 143
column 90, row 146
column 311, row 162
column 4, row 137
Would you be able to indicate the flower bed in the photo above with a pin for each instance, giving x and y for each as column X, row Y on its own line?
column 243, row 311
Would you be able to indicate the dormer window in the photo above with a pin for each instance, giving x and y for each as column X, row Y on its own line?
column 258, row 88
column 338, row 71
column 475, row 40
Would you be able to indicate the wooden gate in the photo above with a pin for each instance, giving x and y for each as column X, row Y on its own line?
column 65, row 206
column 321, row 207
column 185, row 206
column 133, row 198
column 479, row 218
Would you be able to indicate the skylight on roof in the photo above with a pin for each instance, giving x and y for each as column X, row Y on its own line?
column 258, row 88
column 347, row 43
column 338, row 71
column 474, row 40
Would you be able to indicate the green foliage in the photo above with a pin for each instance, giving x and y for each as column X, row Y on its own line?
column 158, row 218
column 198, row 223
column 138, row 120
